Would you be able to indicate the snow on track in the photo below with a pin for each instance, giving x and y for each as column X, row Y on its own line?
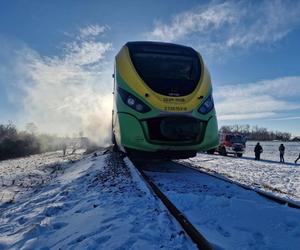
column 282, row 180
column 94, row 204
column 229, row 216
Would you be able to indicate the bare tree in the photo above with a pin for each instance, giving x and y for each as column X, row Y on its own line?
column 256, row 133
column 31, row 128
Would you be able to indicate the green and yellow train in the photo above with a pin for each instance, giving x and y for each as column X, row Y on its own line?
column 163, row 104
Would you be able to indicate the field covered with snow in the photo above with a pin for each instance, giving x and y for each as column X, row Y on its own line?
column 281, row 179
column 95, row 203
column 28, row 174
column 86, row 202
column 271, row 152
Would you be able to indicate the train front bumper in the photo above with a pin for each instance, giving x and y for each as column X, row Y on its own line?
column 134, row 134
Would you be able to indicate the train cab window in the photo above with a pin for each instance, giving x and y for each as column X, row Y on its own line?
column 167, row 71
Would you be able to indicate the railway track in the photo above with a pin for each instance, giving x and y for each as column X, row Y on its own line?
column 177, row 184
column 201, row 242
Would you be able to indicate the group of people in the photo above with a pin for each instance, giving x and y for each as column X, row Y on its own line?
column 258, row 150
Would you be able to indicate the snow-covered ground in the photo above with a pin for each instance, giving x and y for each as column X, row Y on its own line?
column 28, row 174
column 229, row 216
column 85, row 202
column 95, row 203
column 268, row 174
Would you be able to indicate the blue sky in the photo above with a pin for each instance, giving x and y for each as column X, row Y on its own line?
column 56, row 58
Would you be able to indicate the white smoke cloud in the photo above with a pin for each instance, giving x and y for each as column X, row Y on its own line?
column 70, row 92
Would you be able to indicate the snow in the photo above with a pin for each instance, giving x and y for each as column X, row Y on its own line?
column 136, row 177
column 31, row 173
column 94, row 203
column 271, row 152
column 229, row 216
column 269, row 175
column 83, row 202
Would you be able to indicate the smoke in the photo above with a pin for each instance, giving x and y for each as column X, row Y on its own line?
column 69, row 94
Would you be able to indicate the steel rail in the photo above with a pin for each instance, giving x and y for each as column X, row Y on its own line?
column 188, row 227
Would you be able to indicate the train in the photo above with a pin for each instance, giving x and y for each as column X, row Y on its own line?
column 163, row 105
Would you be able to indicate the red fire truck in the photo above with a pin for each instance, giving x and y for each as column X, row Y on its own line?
column 232, row 143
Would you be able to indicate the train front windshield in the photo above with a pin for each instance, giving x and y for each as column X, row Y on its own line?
column 166, row 70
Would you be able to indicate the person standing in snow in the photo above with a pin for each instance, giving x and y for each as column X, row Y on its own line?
column 258, row 150
column 297, row 159
column 281, row 152
column 64, row 148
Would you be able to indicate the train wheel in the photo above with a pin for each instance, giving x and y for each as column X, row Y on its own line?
column 239, row 154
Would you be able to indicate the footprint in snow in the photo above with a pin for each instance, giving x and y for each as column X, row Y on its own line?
column 223, row 231
column 59, row 225
column 50, row 211
column 291, row 225
column 259, row 239
column 103, row 239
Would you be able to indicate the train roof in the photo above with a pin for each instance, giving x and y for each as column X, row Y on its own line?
column 160, row 47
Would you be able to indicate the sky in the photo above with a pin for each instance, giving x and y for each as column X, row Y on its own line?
column 57, row 57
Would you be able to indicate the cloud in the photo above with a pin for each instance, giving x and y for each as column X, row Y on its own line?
column 70, row 92
column 221, row 26
column 246, row 116
column 194, row 21
column 279, row 87
column 262, row 99
column 91, row 31
column 286, row 118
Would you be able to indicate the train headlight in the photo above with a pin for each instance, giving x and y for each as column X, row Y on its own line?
column 130, row 101
column 133, row 102
column 139, row 107
column 207, row 105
